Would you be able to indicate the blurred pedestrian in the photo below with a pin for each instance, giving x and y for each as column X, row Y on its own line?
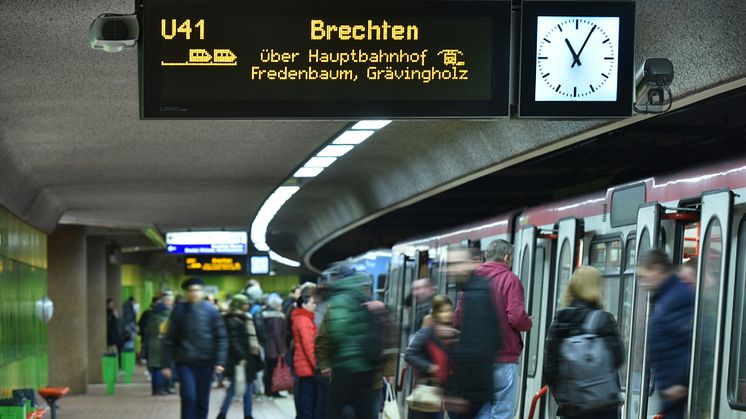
column 142, row 325
column 290, row 301
column 508, row 295
column 154, row 332
column 423, row 292
column 113, row 328
column 428, row 352
column 273, row 323
column 470, row 386
column 243, row 352
column 304, row 358
column 669, row 330
column 351, row 347
column 129, row 323
column 197, row 343
column 595, row 372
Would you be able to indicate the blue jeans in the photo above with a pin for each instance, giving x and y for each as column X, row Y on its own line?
column 506, row 386
column 196, row 383
column 156, row 379
column 231, row 392
column 306, row 390
column 322, row 386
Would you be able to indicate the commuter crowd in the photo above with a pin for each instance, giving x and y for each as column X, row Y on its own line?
column 334, row 349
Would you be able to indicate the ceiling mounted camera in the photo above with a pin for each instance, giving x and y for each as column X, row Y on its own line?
column 653, row 81
column 113, row 33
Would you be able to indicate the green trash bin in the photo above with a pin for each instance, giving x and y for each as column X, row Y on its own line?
column 110, row 371
column 128, row 365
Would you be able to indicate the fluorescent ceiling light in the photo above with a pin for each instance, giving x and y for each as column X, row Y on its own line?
column 320, row 162
column 335, row 150
column 353, row 137
column 308, row 171
column 267, row 213
column 285, row 261
column 371, row 124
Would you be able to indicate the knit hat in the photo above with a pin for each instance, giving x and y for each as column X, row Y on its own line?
column 274, row 300
column 238, row 301
column 191, row 282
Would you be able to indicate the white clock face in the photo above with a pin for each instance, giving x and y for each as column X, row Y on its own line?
column 577, row 59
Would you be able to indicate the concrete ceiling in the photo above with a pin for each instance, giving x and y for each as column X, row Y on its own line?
column 72, row 147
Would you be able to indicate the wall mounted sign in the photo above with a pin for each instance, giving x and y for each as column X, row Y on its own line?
column 207, row 242
column 577, row 59
column 356, row 60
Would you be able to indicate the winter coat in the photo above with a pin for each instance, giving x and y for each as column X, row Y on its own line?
column 304, row 333
column 273, row 323
column 426, row 350
column 472, row 357
column 239, row 348
column 670, row 333
column 113, row 328
column 154, row 339
column 508, row 296
column 568, row 322
column 346, row 326
column 196, row 336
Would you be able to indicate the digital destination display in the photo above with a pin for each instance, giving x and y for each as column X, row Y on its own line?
column 215, row 265
column 237, row 59
column 207, row 242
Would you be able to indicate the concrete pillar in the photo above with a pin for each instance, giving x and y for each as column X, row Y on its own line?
column 96, row 272
column 114, row 276
column 67, row 332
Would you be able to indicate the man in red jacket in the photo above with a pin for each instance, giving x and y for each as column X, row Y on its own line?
column 512, row 319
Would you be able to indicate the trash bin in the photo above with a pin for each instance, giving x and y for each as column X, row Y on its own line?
column 110, row 371
column 128, row 365
column 22, row 402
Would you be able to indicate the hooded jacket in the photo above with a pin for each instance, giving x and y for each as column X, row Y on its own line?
column 304, row 333
column 196, row 336
column 508, row 296
column 237, row 325
column 153, row 341
column 569, row 322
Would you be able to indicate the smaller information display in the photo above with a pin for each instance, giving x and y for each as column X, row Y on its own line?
column 207, row 243
column 215, row 265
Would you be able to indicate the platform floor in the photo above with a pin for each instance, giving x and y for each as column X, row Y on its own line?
column 134, row 401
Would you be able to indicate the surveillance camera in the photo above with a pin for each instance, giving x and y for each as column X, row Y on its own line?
column 653, row 81
column 113, row 33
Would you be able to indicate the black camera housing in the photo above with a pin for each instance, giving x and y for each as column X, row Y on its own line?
column 658, row 72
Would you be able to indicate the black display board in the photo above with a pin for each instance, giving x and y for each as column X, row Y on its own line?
column 577, row 59
column 215, row 265
column 329, row 59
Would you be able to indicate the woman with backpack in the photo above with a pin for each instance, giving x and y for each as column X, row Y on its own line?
column 584, row 352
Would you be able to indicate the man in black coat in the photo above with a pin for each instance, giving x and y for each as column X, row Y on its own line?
column 197, row 343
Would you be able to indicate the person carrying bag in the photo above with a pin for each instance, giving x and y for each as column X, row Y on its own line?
column 584, row 351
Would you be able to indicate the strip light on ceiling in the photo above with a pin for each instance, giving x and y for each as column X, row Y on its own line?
column 340, row 146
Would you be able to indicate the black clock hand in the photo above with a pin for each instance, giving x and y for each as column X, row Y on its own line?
column 575, row 58
column 583, row 47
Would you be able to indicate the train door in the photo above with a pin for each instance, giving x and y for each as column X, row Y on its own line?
column 648, row 236
column 526, row 251
column 733, row 372
column 418, row 268
column 567, row 240
column 399, row 287
column 709, row 316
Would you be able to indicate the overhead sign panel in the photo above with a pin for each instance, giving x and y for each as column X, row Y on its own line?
column 215, row 265
column 577, row 59
column 207, row 242
column 238, row 59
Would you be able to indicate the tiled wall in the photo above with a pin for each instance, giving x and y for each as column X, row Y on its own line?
column 23, row 282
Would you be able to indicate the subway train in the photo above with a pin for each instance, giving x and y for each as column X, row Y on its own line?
column 695, row 213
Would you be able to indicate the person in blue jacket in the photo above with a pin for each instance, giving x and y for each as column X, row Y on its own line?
column 669, row 330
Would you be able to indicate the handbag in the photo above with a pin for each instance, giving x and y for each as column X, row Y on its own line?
column 390, row 405
column 239, row 387
column 281, row 378
column 426, row 398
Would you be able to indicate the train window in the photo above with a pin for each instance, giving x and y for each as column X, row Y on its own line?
column 637, row 344
column 625, row 203
column 533, row 338
column 565, row 270
column 737, row 375
column 607, row 257
column 707, row 318
column 525, row 267
column 691, row 241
